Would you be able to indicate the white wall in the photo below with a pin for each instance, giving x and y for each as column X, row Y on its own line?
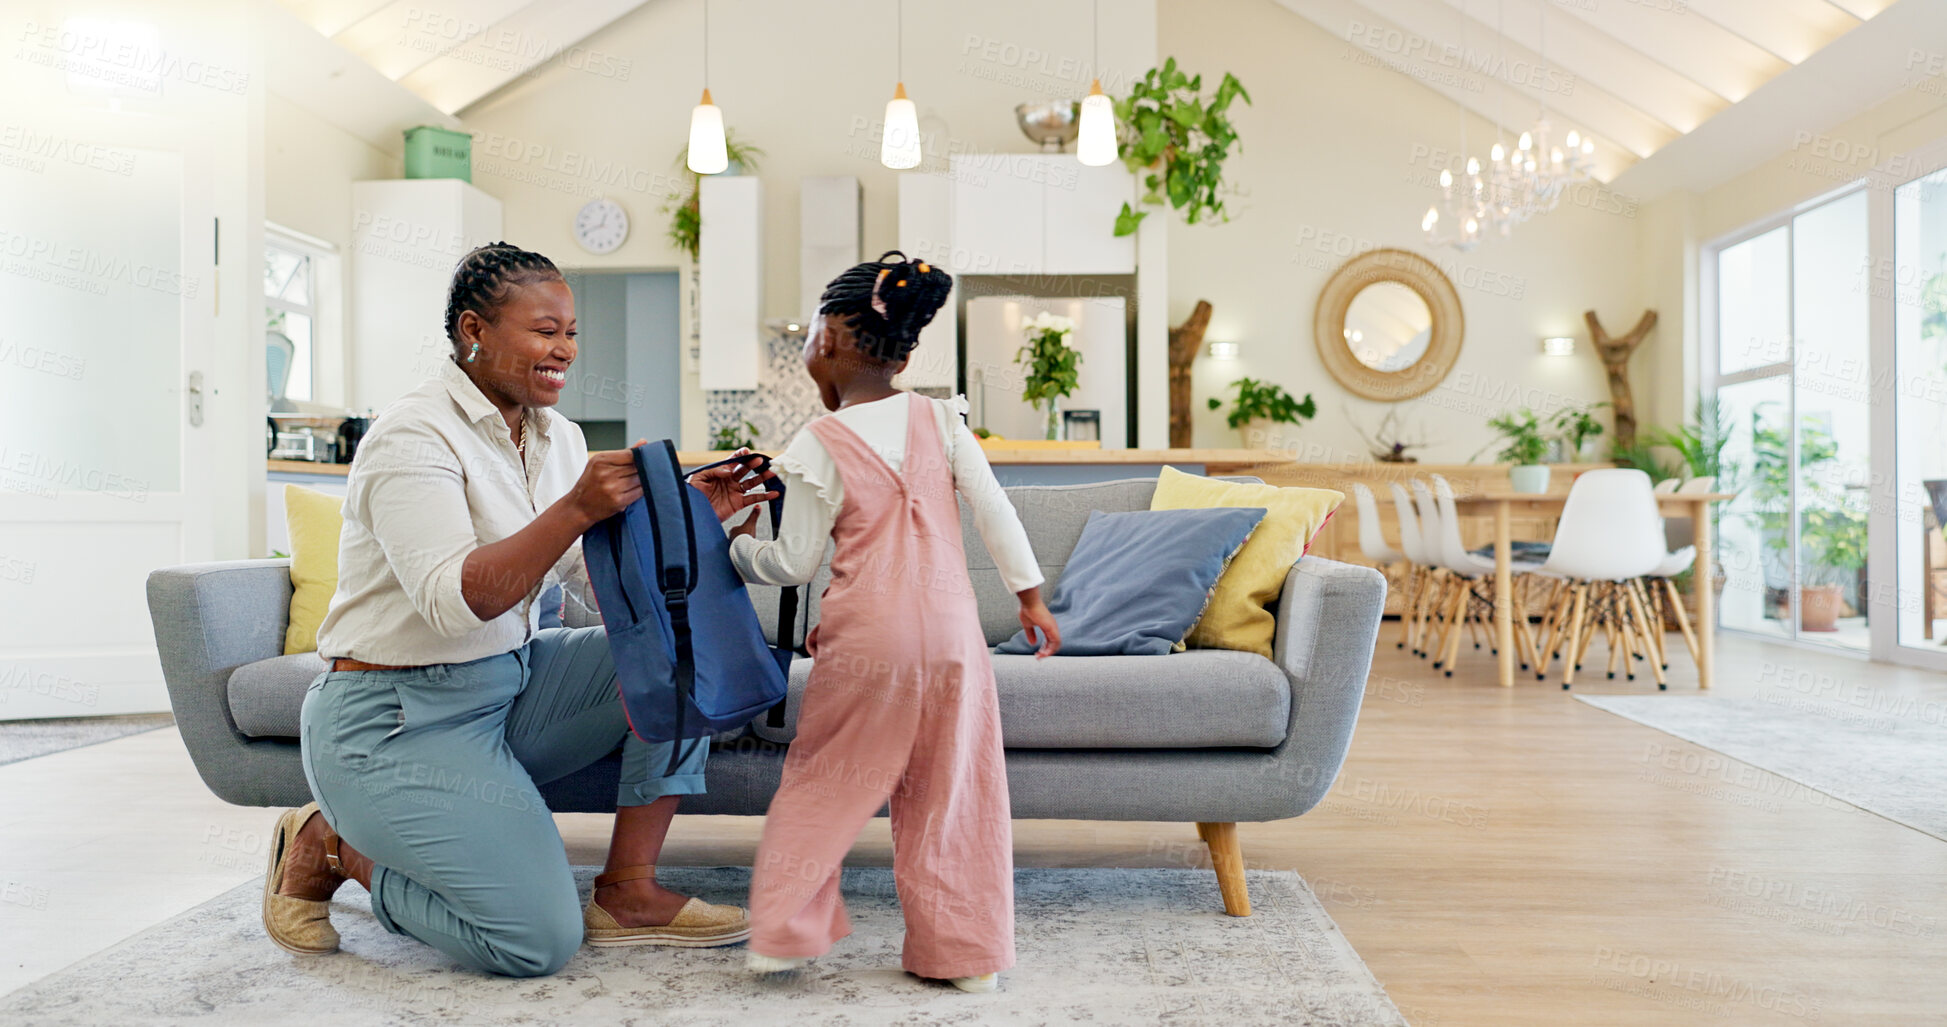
column 309, row 167
column 1335, row 160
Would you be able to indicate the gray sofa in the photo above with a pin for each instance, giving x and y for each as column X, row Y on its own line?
column 1205, row 736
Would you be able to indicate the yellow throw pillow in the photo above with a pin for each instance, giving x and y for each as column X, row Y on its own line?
column 314, row 519
column 1237, row 616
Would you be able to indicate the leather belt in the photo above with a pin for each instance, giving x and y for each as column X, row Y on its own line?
column 344, row 664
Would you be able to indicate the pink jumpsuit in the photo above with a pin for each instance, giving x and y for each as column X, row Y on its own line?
column 900, row 705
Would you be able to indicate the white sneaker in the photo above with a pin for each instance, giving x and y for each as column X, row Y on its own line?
column 978, row 985
column 761, row 964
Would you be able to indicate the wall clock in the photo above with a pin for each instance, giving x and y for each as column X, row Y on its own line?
column 601, row 226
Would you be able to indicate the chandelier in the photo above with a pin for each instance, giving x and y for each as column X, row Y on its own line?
column 1517, row 184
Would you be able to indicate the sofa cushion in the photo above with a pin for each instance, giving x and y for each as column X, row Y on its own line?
column 265, row 696
column 1204, row 698
column 1137, row 580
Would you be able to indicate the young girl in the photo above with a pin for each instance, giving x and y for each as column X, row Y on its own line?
column 901, row 702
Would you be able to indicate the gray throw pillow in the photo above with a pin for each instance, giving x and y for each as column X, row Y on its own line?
column 1137, row 581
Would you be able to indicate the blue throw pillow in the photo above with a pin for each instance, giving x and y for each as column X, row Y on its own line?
column 1137, row 581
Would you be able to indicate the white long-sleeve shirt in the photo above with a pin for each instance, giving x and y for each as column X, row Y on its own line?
column 436, row 478
column 814, row 491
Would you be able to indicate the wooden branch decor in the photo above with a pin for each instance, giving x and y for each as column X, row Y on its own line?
column 1614, row 354
column 1185, row 340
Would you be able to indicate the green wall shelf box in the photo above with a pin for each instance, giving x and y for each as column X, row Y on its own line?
column 433, row 152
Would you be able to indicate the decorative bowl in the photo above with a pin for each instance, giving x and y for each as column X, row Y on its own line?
column 1050, row 124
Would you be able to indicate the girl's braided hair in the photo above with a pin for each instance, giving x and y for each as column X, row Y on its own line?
column 483, row 278
column 886, row 302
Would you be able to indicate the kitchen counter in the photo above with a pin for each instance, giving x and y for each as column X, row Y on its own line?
column 307, row 467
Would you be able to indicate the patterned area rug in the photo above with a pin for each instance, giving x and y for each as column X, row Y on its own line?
column 26, row 739
column 1094, row 946
column 1889, row 757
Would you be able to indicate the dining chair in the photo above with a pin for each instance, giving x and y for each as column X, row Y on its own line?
column 1608, row 538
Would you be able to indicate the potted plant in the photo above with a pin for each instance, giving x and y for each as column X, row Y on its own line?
column 1525, row 447
column 1260, row 405
column 1177, row 141
column 1835, row 545
column 734, row 436
column 1576, row 426
column 1052, row 369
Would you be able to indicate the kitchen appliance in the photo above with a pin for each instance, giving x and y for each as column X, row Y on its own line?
column 350, row 433
column 303, row 442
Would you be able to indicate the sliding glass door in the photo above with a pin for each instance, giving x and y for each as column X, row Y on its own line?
column 1791, row 382
column 1917, row 282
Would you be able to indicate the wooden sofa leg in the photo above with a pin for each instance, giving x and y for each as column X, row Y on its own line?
column 1229, row 861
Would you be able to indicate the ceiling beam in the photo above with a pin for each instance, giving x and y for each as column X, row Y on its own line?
column 1790, row 30
column 1852, row 74
column 529, row 38
column 1702, row 51
column 410, row 34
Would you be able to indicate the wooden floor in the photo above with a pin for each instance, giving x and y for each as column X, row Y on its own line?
column 1496, row 856
column 1517, row 857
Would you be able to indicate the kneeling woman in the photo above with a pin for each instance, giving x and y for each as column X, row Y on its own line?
column 446, row 702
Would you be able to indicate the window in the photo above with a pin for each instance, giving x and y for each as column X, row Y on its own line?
column 290, row 319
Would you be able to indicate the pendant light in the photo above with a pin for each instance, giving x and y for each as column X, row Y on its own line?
column 1095, row 144
column 708, row 152
column 899, row 145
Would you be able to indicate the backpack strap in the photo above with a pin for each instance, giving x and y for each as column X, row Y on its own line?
column 788, row 598
column 675, row 570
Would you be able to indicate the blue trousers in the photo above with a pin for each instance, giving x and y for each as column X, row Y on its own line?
column 431, row 772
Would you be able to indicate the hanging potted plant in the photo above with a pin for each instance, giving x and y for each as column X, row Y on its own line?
column 1525, row 448
column 1178, row 141
column 1051, row 369
column 1259, row 407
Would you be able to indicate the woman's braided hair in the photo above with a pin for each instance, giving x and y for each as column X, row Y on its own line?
column 886, row 302
column 483, row 278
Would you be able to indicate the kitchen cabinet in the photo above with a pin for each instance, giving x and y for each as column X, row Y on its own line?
column 1020, row 214
column 730, row 282
column 407, row 236
column 926, row 233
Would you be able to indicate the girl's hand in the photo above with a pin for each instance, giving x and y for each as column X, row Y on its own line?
column 1035, row 617
column 608, row 484
column 748, row 527
column 725, row 486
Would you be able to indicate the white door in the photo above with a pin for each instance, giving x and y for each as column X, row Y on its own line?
column 107, row 245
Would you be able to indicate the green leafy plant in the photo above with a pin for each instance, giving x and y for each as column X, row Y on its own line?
column 1521, row 430
column 1266, row 401
column 734, row 436
column 1178, row 141
column 1641, row 455
column 686, row 211
column 1835, row 542
column 1052, row 368
column 1577, row 425
column 1700, row 444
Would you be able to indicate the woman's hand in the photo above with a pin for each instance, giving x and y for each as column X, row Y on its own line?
column 747, row 527
column 726, row 487
column 608, row 484
column 1035, row 617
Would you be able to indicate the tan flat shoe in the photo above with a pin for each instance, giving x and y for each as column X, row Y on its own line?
column 297, row 925
column 698, row 925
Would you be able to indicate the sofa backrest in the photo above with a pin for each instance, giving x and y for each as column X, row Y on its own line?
column 1053, row 515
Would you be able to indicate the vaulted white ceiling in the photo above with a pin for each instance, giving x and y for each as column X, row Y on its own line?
column 1643, row 75
column 1676, row 93
column 453, row 53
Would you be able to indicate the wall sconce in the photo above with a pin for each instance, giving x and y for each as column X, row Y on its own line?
column 1558, row 346
column 1223, row 351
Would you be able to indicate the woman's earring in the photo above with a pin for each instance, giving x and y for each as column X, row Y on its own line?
column 473, row 354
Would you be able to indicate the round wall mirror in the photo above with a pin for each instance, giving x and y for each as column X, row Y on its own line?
column 1389, row 325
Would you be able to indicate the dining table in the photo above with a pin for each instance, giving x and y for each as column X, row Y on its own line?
column 1503, row 506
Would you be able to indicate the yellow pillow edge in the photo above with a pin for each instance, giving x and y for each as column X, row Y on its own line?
column 1183, row 644
column 1241, row 621
column 314, row 520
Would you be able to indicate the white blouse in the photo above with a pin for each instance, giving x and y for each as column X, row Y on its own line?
column 436, row 478
column 813, row 493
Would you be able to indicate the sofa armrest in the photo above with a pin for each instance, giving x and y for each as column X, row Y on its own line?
column 210, row 619
column 1328, row 625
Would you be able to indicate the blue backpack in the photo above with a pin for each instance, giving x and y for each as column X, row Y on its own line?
column 690, row 658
